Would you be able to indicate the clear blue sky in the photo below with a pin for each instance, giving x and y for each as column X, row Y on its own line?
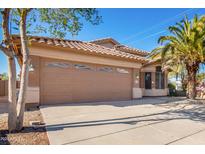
column 139, row 28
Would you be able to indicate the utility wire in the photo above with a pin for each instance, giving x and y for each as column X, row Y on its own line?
column 154, row 34
column 163, row 22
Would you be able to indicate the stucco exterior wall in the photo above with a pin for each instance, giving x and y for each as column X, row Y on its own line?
column 34, row 76
column 63, row 55
column 136, row 90
column 33, row 90
column 33, row 95
column 153, row 91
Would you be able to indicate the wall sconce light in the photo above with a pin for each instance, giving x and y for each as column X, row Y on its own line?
column 137, row 76
column 31, row 68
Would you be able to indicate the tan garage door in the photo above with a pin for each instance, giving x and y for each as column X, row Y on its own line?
column 69, row 82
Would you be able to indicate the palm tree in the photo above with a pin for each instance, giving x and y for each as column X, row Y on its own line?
column 184, row 47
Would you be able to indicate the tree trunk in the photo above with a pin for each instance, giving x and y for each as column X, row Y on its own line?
column 8, row 50
column 192, row 71
column 24, row 72
column 12, row 94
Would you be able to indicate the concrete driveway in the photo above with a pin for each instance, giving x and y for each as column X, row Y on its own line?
column 155, row 120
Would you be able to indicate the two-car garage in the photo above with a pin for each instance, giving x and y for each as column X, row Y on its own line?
column 70, row 82
column 70, row 71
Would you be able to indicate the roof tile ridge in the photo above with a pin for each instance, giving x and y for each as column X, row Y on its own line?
column 115, row 50
column 99, row 39
column 135, row 49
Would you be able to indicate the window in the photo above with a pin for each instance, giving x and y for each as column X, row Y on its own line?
column 57, row 64
column 148, row 80
column 105, row 69
column 122, row 70
column 82, row 67
column 159, row 78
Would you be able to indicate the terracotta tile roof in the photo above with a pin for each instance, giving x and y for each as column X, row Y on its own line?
column 102, row 40
column 133, row 50
column 86, row 47
column 151, row 62
column 121, row 46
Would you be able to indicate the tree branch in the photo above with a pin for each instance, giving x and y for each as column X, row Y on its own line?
column 6, row 51
column 5, row 26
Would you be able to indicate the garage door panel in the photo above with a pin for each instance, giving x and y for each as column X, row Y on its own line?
column 70, row 85
column 57, row 99
column 58, row 91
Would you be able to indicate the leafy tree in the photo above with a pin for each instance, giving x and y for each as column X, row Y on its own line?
column 55, row 22
column 180, row 73
column 4, row 76
column 185, row 46
column 200, row 78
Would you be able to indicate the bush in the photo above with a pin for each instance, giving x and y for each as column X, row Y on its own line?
column 171, row 86
column 172, row 89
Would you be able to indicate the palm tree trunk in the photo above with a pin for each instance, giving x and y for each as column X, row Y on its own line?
column 12, row 94
column 191, row 90
column 24, row 72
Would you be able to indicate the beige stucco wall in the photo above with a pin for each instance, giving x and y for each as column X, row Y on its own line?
column 153, row 91
column 136, row 90
column 40, row 52
column 37, row 81
column 63, row 54
column 33, row 95
column 34, row 76
column 137, row 93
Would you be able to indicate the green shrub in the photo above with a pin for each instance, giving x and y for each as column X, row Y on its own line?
column 172, row 89
column 172, row 86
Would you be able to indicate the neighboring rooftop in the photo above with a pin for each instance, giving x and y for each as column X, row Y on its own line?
column 105, row 40
column 120, row 46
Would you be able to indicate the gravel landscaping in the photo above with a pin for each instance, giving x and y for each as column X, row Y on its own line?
column 29, row 135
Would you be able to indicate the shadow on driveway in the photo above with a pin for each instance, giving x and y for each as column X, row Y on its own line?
column 195, row 114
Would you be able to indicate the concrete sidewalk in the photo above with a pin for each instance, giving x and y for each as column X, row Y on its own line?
column 144, row 121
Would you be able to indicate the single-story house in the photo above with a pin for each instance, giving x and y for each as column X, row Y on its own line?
column 71, row 71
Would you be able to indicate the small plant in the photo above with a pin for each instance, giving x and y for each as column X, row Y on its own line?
column 172, row 89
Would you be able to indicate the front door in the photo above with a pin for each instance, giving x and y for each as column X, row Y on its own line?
column 148, row 80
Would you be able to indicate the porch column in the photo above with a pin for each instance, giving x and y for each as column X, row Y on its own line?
column 166, row 82
column 136, row 90
column 153, row 80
